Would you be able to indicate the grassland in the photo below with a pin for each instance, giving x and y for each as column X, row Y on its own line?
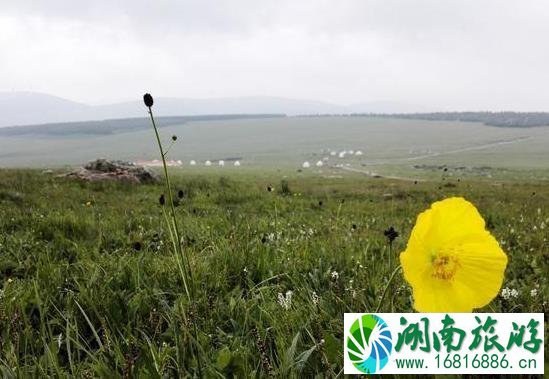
column 390, row 146
column 90, row 287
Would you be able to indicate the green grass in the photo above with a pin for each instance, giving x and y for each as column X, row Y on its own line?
column 79, row 298
column 285, row 143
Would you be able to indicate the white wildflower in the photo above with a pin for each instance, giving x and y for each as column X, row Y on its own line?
column 315, row 298
column 285, row 301
column 335, row 275
column 508, row 293
column 534, row 292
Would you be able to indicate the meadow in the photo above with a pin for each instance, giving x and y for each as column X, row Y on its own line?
column 389, row 146
column 90, row 286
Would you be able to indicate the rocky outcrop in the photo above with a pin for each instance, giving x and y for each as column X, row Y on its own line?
column 104, row 169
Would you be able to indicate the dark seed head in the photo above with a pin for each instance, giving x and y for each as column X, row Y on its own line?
column 162, row 199
column 391, row 234
column 354, row 226
column 148, row 99
column 180, row 194
column 137, row 246
column 269, row 188
column 263, row 239
column 445, row 169
column 320, row 203
column 174, row 138
column 415, row 181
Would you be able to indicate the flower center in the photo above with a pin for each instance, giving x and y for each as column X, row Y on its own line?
column 444, row 266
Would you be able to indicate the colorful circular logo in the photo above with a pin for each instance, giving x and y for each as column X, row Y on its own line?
column 369, row 344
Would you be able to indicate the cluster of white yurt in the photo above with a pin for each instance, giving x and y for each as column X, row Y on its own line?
column 329, row 153
column 344, row 153
column 208, row 163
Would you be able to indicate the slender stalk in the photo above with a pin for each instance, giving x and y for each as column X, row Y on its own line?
column 387, row 287
column 182, row 258
column 177, row 236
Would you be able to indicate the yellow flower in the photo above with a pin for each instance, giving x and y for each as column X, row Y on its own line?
column 451, row 261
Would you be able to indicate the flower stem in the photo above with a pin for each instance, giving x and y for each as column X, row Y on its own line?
column 182, row 258
column 387, row 287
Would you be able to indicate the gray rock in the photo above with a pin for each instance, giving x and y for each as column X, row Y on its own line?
column 104, row 169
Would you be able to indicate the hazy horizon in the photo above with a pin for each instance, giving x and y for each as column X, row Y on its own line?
column 454, row 55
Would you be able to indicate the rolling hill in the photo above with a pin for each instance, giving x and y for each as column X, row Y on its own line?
column 28, row 108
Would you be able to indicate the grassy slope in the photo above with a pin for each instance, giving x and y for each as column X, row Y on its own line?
column 78, row 298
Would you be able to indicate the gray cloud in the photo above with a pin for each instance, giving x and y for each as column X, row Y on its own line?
column 457, row 54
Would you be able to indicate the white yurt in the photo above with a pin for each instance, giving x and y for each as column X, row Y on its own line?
column 237, row 163
column 358, row 152
column 319, row 164
column 221, row 163
column 192, row 162
column 208, row 163
column 306, row 165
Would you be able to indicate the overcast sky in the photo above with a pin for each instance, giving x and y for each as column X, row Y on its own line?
column 449, row 54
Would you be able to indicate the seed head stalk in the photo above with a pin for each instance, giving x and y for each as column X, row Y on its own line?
column 387, row 287
column 182, row 258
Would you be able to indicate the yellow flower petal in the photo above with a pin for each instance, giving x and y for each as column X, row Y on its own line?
column 452, row 263
column 452, row 218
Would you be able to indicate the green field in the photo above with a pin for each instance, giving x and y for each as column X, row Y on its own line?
column 90, row 287
column 390, row 146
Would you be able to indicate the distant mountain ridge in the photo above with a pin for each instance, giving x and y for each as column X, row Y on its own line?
column 31, row 108
column 501, row 119
column 113, row 126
